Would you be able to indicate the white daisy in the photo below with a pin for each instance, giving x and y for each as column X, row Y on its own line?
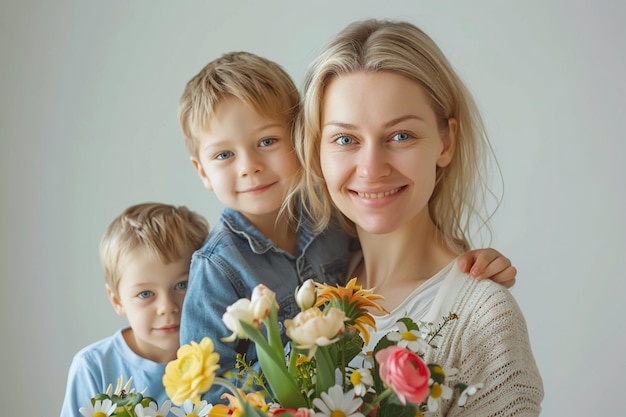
column 335, row 403
column 438, row 392
column 188, row 409
column 361, row 379
column 410, row 339
column 99, row 408
column 152, row 410
column 468, row 392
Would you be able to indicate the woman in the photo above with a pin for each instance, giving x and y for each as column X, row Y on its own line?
column 395, row 144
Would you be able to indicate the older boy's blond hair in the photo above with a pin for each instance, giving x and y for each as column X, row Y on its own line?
column 165, row 232
column 256, row 81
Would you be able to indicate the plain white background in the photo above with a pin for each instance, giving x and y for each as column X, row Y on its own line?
column 88, row 98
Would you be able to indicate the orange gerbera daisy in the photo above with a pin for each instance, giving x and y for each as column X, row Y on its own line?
column 354, row 301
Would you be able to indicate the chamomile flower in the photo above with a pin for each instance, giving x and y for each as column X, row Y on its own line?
column 438, row 392
column 99, row 408
column 361, row 379
column 336, row 403
column 152, row 410
column 189, row 410
column 468, row 392
column 410, row 339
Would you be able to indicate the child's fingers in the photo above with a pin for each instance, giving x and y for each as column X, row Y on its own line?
column 500, row 271
column 506, row 277
column 488, row 262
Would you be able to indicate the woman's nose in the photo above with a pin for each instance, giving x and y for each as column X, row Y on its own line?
column 372, row 162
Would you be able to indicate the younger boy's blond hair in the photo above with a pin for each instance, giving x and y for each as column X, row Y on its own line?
column 167, row 233
column 258, row 82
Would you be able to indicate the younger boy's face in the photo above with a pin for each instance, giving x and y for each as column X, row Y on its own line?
column 150, row 295
column 247, row 159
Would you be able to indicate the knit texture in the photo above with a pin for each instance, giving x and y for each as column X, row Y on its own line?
column 488, row 343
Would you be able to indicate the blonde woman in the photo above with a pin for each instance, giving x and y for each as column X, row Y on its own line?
column 395, row 144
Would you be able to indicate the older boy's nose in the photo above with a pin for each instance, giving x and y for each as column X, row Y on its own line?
column 249, row 164
column 372, row 162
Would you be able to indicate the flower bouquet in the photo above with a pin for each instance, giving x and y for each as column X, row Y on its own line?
column 325, row 373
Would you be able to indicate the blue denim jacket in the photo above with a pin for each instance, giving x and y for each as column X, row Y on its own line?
column 234, row 259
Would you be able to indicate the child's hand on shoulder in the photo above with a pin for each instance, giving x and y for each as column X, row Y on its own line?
column 490, row 264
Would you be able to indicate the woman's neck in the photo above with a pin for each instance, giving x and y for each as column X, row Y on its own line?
column 396, row 263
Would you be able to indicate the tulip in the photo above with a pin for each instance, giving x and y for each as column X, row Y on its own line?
column 306, row 295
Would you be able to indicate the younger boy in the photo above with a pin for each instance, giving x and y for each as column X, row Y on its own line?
column 145, row 254
column 237, row 116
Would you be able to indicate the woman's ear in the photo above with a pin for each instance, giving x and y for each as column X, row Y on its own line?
column 448, row 138
column 197, row 165
column 115, row 301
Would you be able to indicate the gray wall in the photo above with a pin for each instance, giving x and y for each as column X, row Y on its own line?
column 88, row 96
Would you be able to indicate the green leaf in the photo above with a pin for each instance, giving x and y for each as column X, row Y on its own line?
column 273, row 334
column 410, row 324
column 275, row 370
column 325, row 376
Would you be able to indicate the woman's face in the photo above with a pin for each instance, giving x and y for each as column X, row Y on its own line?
column 380, row 148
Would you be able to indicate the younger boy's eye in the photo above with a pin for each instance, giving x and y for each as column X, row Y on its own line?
column 181, row 285
column 224, row 155
column 267, row 142
column 144, row 294
column 344, row 140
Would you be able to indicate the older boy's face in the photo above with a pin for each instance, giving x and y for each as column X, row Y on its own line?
column 248, row 160
column 150, row 295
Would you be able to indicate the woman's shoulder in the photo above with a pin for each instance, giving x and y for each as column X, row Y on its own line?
column 460, row 293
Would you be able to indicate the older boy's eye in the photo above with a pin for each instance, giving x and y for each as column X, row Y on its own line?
column 181, row 285
column 144, row 294
column 224, row 155
column 344, row 140
column 267, row 142
column 401, row 136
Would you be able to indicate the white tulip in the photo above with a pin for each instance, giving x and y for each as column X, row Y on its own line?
column 306, row 295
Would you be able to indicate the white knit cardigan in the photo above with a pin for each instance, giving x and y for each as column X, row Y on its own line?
column 488, row 344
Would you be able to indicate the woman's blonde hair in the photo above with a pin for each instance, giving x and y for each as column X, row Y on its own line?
column 459, row 197
column 165, row 232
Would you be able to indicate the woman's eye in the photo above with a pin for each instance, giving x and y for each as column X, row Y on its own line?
column 267, row 142
column 344, row 140
column 402, row 136
column 224, row 155
column 144, row 294
column 181, row 285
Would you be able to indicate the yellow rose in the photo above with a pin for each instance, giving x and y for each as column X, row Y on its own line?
column 192, row 373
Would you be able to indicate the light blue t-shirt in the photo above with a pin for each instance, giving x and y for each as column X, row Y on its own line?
column 234, row 259
column 102, row 363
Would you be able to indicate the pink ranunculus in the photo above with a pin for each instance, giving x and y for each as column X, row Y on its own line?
column 405, row 373
column 300, row 412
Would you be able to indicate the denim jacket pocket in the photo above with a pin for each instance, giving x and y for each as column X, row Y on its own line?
column 288, row 308
column 335, row 272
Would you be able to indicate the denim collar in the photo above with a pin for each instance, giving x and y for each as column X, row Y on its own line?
column 258, row 242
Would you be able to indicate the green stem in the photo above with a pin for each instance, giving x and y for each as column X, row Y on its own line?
column 377, row 400
column 325, row 377
column 275, row 370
